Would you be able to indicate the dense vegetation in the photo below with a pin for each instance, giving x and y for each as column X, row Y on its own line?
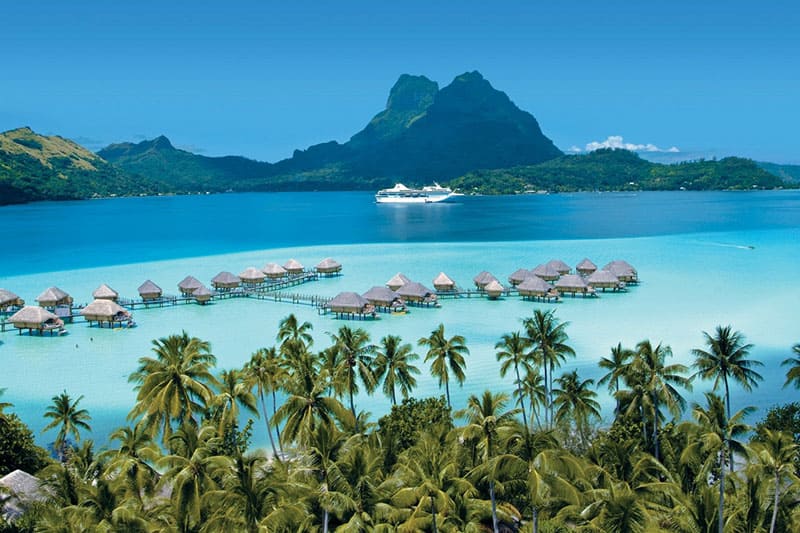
column 531, row 461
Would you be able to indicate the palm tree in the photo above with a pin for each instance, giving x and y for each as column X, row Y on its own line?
column 533, row 388
column 485, row 418
column 792, row 375
column 65, row 413
column 267, row 374
column 234, row 391
column 133, row 459
column 514, row 350
column 4, row 405
column 290, row 329
column 776, row 453
column 356, row 361
column 616, row 366
column 394, row 361
column 575, row 400
column 447, row 356
column 548, row 336
column 175, row 386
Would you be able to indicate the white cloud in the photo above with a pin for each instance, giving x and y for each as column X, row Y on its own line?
column 616, row 141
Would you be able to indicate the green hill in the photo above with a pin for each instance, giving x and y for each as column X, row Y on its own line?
column 790, row 173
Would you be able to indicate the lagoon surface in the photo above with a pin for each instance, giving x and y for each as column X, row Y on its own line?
column 705, row 258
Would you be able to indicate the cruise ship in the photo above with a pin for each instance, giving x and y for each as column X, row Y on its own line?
column 400, row 194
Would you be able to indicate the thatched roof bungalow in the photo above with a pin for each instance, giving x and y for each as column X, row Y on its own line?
column 101, row 311
column 293, row 266
column 417, row 293
column 274, row 271
column 573, row 284
column 226, row 280
column 36, row 318
column 560, row 266
column 546, row 272
column 202, row 294
column 383, row 297
column 443, row 283
column 604, row 279
column 536, row 287
column 104, row 292
column 350, row 303
column 397, row 281
column 519, row 276
column 483, row 279
column 585, row 267
column 328, row 266
column 623, row 270
column 8, row 299
column 53, row 297
column 21, row 491
column 494, row 289
column 252, row 276
column 149, row 291
column 189, row 285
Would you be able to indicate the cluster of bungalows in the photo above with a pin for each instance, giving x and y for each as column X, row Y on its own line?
column 555, row 277
column 398, row 293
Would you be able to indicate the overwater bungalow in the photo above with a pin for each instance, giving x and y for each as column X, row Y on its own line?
column 351, row 304
column 202, row 295
column 225, row 281
column 384, row 298
column 574, row 284
column 605, row 279
column 252, row 276
column 417, row 293
column 560, row 266
column 189, row 285
column 483, row 279
column 37, row 319
column 293, row 266
column 546, row 272
column 585, row 267
column 149, row 291
column 9, row 300
column 443, row 283
column 107, row 311
column 54, row 297
column 274, row 271
column 519, row 276
column 104, row 292
column 536, row 287
column 329, row 267
column 623, row 270
column 494, row 289
column 397, row 281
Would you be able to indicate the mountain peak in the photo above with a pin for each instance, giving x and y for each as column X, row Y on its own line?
column 470, row 77
column 162, row 143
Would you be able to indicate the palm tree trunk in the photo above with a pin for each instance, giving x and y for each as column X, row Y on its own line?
column 266, row 421
column 494, row 506
column 274, row 413
column 353, row 409
column 325, row 521
column 433, row 514
column 394, row 400
column 616, row 398
column 720, row 516
column 447, row 391
column 546, row 396
column 775, row 505
column 728, row 416
column 655, row 426
column 521, row 398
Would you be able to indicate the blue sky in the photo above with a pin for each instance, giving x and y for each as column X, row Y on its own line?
column 263, row 78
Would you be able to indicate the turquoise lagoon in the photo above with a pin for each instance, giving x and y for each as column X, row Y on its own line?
column 704, row 258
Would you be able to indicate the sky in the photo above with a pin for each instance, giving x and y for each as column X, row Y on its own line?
column 262, row 78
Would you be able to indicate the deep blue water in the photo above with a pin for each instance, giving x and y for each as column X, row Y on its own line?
column 50, row 236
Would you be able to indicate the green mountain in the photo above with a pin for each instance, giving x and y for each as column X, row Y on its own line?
column 608, row 169
column 37, row 167
column 789, row 173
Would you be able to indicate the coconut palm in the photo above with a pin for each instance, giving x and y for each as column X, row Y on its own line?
column 393, row 364
column 514, row 351
column 133, row 459
column 533, row 388
column 175, row 386
column 548, row 336
column 446, row 356
column 792, row 375
column 64, row 414
column 575, row 400
column 776, row 454
column 290, row 329
column 266, row 372
column 234, row 391
column 616, row 366
column 356, row 361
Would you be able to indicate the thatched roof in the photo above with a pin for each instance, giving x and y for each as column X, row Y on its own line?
column 494, row 288
column 443, row 281
column 23, row 490
column 105, row 309
column 149, row 288
column 397, row 281
column 7, row 297
column 294, row 266
column 586, row 266
column 329, row 265
column 53, row 296
column 560, row 266
column 414, row 290
column 571, row 281
column 381, row 295
column 104, row 292
column 226, row 279
column 273, row 270
column 519, row 276
column 546, row 272
column 534, row 285
column 202, row 293
column 621, row 269
column 482, row 279
column 252, row 275
column 603, row 277
column 348, row 302
column 189, row 284
column 32, row 315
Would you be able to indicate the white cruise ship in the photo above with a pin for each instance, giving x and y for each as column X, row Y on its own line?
column 400, row 194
